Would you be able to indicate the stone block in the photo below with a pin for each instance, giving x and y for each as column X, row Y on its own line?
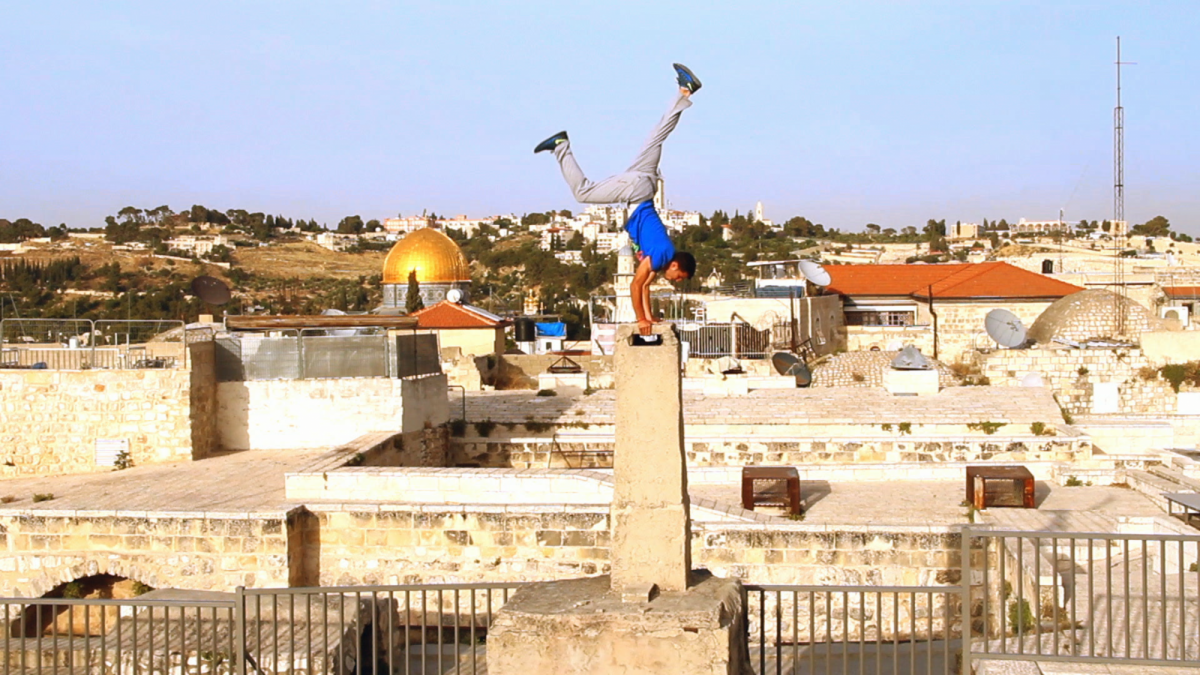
column 582, row 626
column 910, row 382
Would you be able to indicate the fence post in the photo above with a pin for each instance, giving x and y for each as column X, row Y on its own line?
column 239, row 629
column 733, row 346
column 965, row 611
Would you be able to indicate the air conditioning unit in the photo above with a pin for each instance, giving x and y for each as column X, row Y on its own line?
column 1178, row 313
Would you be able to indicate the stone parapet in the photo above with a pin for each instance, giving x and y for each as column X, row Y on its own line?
column 53, row 418
column 193, row 550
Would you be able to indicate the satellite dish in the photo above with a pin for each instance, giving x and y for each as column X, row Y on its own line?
column 1032, row 380
column 211, row 290
column 338, row 332
column 911, row 358
column 786, row 363
column 1005, row 328
column 814, row 273
column 454, row 295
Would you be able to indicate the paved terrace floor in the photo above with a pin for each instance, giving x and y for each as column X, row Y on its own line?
column 254, row 482
column 842, row 405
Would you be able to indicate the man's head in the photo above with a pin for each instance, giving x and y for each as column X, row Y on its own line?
column 682, row 266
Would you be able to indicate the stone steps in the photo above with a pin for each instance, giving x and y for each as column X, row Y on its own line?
column 1152, row 486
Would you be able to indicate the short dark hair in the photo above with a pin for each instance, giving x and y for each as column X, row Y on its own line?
column 686, row 262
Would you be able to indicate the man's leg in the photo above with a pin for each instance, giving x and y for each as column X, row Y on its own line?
column 647, row 160
column 623, row 188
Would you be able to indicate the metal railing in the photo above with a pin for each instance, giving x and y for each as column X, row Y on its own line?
column 853, row 629
column 82, row 344
column 1061, row 596
column 1030, row 596
column 338, row 631
column 294, row 354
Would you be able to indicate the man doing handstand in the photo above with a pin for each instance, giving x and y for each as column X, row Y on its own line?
column 656, row 253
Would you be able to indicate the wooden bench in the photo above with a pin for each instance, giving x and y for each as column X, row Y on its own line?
column 788, row 498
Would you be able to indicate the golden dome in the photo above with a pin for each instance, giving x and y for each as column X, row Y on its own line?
column 435, row 257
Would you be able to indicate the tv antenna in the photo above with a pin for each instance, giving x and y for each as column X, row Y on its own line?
column 1118, row 224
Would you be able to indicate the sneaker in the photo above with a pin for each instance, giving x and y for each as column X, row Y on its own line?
column 687, row 79
column 551, row 143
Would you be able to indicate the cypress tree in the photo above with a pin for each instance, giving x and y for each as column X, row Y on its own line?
column 412, row 301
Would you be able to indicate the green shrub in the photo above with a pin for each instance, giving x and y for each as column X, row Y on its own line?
column 123, row 461
column 141, row 589
column 74, row 589
column 1020, row 616
column 905, row 427
column 1073, row 481
column 988, row 428
column 1040, row 429
column 547, row 392
column 1083, row 371
column 484, row 428
column 458, row 428
column 43, row 497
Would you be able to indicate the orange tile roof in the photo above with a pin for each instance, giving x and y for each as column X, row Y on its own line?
column 961, row 281
column 1182, row 291
column 453, row 315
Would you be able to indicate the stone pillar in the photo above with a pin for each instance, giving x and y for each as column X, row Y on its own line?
column 651, row 526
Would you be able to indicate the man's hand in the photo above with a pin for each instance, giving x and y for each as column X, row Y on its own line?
column 644, row 326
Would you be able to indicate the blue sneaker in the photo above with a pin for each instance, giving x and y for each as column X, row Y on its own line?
column 687, row 79
column 551, row 143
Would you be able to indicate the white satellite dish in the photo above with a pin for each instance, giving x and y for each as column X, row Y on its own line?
column 1032, row 380
column 338, row 332
column 454, row 295
column 1005, row 328
column 814, row 273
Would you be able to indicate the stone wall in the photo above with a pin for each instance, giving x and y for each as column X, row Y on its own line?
column 1073, row 376
column 1017, row 445
column 397, row 544
column 53, row 418
column 281, row 414
column 960, row 328
column 204, row 551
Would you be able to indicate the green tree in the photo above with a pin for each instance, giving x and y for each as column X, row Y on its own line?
column 350, row 225
column 1157, row 226
column 412, row 300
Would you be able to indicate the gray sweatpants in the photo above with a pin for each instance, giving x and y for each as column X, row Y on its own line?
column 638, row 183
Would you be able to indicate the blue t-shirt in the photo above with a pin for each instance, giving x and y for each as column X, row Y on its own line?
column 649, row 236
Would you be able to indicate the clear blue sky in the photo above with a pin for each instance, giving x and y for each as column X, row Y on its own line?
column 847, row 113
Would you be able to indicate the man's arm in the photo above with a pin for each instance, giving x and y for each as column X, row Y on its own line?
column 639, row 294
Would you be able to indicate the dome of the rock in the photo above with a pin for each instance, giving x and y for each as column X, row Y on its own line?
column 434, row 256
column 439, row 263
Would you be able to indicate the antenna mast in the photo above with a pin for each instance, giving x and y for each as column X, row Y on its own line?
column 1119, row 230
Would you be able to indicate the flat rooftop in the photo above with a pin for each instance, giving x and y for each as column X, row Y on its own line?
column 821, row 405
column 253, row 482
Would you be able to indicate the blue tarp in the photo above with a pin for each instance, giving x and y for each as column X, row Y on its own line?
column 552, row 329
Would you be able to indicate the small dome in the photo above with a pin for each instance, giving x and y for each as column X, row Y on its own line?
column 1092, row 314
column 435, row 257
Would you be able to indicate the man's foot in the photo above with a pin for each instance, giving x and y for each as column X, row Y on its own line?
column 551, row 143
column 686, row 78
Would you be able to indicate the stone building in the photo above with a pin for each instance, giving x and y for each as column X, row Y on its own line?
column 891, row 305
column 439, row 263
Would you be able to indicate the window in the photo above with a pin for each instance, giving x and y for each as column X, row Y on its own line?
column 878, row 318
